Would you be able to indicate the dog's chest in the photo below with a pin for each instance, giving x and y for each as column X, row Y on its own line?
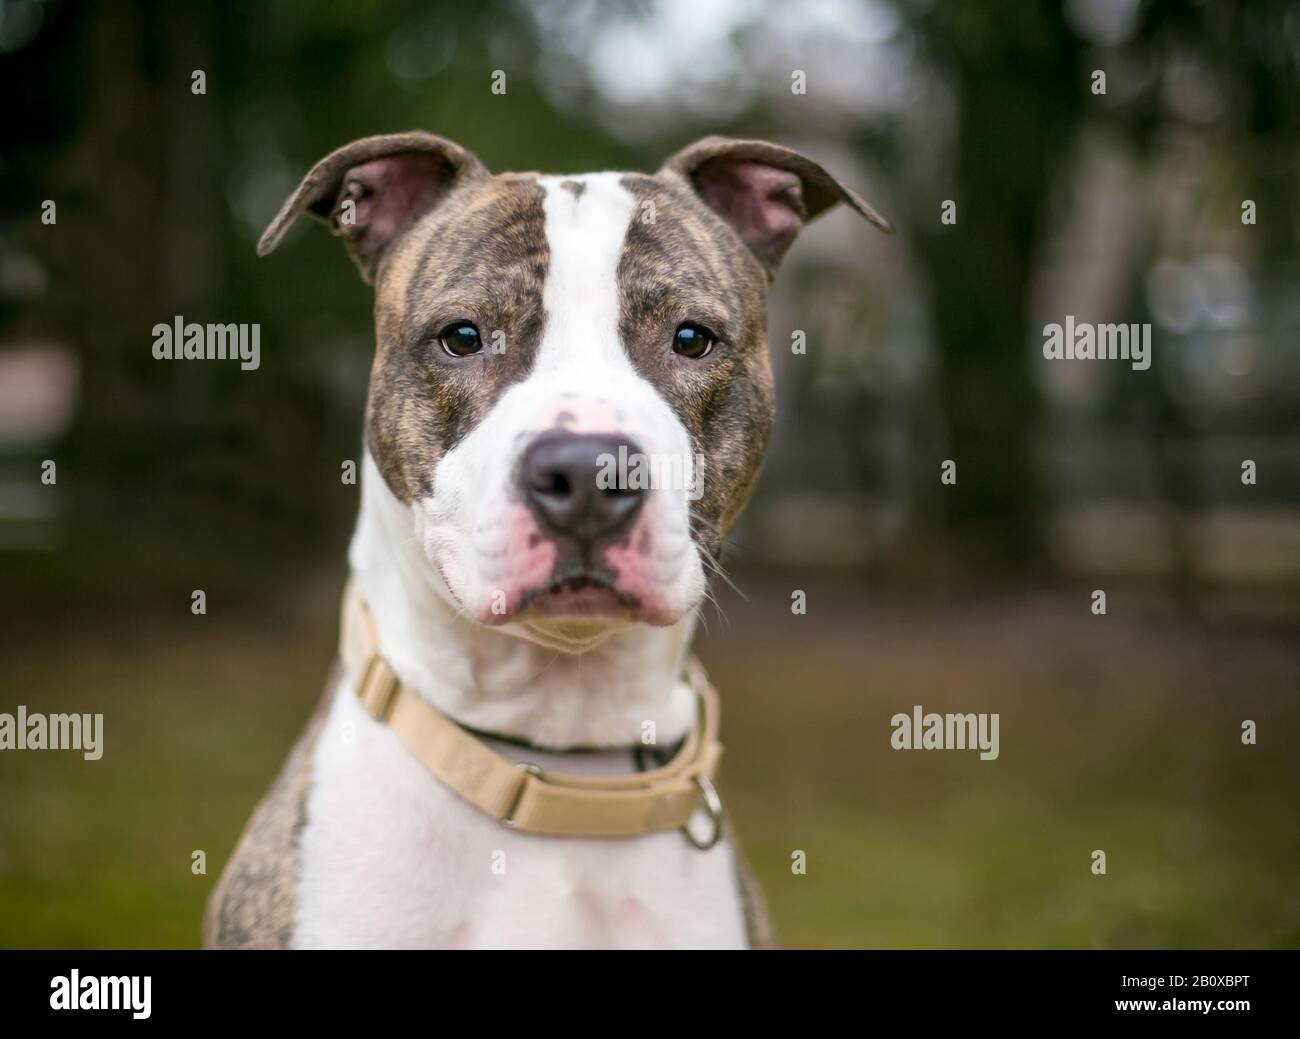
column 391, row 858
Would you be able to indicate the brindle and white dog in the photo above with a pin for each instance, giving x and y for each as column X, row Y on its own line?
column 524, row 326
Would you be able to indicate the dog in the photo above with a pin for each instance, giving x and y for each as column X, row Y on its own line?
column 527, row 620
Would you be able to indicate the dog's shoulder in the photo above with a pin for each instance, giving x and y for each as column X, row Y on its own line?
column 252, row 905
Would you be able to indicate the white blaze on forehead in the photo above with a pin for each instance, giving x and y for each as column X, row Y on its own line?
column 586, row 224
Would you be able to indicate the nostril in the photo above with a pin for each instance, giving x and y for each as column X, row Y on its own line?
column 557, row 484
column 548, row 478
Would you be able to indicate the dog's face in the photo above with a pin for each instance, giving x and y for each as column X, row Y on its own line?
column 571, row 388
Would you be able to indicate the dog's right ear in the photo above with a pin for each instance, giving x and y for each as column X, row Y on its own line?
column 372, row 190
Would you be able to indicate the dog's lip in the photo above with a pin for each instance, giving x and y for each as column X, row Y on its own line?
column 581, row 596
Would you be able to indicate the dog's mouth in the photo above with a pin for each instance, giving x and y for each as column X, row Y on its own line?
column 577, row 613
column 578, row 597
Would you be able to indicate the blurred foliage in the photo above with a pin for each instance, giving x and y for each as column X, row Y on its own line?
column 180, row 469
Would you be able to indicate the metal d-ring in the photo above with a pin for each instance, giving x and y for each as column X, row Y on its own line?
column 713, row 806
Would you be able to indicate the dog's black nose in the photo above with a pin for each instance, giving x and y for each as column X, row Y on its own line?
column 576, row 485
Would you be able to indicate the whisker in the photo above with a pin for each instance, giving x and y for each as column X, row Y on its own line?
column 722, row 614
column 717, row 569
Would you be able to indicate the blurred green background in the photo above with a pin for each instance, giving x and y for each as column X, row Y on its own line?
column 1119, row 732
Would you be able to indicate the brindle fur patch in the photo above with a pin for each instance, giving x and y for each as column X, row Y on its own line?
column 690, row 266
column 480, row 258
column 256, row 897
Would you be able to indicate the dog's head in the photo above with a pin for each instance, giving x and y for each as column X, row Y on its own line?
column 571, row 388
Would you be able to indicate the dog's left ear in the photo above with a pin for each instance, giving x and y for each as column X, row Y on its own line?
column 371, row 191
column 766, row 193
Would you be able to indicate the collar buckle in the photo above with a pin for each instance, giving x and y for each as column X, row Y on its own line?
column 528, row 769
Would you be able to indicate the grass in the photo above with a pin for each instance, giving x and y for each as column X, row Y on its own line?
column 1119, row 733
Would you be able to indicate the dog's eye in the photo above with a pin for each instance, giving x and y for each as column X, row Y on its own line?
column 460, row 339
column 693, row 341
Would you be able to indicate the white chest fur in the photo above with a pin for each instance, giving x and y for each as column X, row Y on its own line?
column 393, row 859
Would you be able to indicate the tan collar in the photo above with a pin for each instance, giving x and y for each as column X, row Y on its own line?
column 522, row 796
